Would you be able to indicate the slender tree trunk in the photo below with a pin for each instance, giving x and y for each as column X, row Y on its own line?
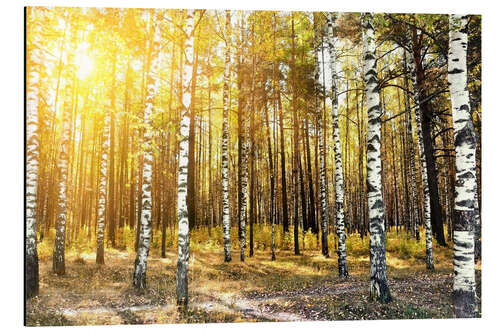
column 58, row 264
column 339, row 179
column 464, row 285
column 191, row 178
column 427, row 150
column 296, row 152
column 140, row 265
column 182, row 214
column 242, row 142
column 322, row 162
column 277, row 92
column 312, row 204
column 225, row 141
column 101, row 208
column 33, row 79
column 379, row 287
column 111, row 212
column 425, row 182
column 252, row 148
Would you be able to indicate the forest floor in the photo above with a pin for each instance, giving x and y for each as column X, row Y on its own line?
column 291, row 288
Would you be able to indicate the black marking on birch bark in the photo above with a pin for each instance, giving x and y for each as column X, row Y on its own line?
column 465, row 136
column 456, row 71
column 372, row 80
column 464, row 303
column 369, row 56
column 378, row 204
column 463, row 219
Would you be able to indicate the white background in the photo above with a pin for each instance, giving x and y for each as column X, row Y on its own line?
column 12, row 163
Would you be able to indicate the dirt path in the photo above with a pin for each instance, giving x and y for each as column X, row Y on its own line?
column 245, row 307
column 255, row 305
column 290, row 289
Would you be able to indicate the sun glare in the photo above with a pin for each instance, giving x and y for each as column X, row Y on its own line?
column 84, row 64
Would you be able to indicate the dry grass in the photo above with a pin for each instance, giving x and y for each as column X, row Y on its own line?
column 305, row 286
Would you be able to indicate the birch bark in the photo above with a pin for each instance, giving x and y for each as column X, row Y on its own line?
column 101, row 203
column 379, row 287
column 339, row 178
column 152, row 81
column 322, row 162
column 58, row 265
column 182, row 213
column 225, row 141
column 425, row 182
column 464, row 284
column 33, row 68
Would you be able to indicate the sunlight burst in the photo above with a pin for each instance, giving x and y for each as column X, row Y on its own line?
column 85, row 63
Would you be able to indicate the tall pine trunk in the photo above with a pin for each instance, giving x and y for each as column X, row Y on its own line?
column 296, row 152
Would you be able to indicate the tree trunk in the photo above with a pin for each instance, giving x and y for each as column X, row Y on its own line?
column 296, row 152
column 379, row 287
column 322, row 162
column 464, row 285
column 242, row 143
column 140, row 265
column 101, row 208
column 182, row 214
column 58, row 264
column 191, row 178
column 423, row 160
column 33, row 67
column 339, row 178
column 252, row 149
column 225, row 141
column 425, row 123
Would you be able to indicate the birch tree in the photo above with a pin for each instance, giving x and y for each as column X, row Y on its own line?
column 152, row 81
column 225, row 141
column 379, row 287
column 242, row 139
column 33, row 67
column 101, row 203
column 58, row 264
column 322, row 162
column 182, row 213
column 339, row 176
column 464, row 284
column 425, row 183
column 296, row 151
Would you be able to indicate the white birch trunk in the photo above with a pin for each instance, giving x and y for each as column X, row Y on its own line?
column 379, row 287
column 225, row 141
column 339, row 177
column 182, row 213
column 101, row 203
column 425, row 183
column 58, row 261
column 464, row 284
column 243, row 167
column 322, row 162
column 32, row 152
column 140, row 264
